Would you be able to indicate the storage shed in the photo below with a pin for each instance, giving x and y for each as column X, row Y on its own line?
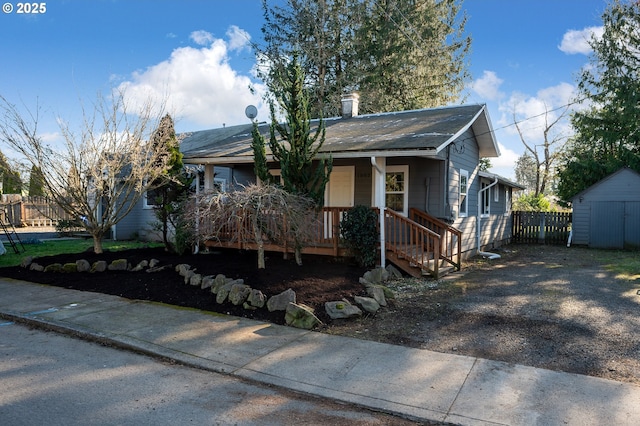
column 607, row 214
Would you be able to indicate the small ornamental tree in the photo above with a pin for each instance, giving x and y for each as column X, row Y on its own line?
column 359, row 231
column 254, row 214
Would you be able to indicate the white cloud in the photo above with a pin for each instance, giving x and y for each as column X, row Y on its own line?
column 577, row 41
column 505, row 164
column 200, row 88
column 238, row 38
column 487, row 86
column 202, row 38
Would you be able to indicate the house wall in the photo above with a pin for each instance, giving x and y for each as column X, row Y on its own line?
column 622, row 186
column 138, row 224
column 496, row 228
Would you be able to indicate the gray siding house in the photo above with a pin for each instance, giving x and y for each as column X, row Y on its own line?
column 422, row 162
column 607, row 214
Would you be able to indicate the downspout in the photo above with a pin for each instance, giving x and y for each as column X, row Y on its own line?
column 488, row 255
column 196, row 249
column 378, row 200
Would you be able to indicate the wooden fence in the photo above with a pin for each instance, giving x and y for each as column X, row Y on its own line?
column 30, row 211
column 541, row 227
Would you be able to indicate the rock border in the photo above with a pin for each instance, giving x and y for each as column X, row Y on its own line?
column 238, row 293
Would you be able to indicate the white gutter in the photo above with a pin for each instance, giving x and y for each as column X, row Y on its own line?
column 379, row 202
column 488, row 255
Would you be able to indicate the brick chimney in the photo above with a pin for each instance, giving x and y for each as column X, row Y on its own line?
column 350, row 105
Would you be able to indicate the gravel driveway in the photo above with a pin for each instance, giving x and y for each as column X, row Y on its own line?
column 552, row 307
column 544, row 306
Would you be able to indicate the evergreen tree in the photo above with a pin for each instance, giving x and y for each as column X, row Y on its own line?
column 11, row 182
column 36, row 183
column 172, row 187
column 608, row 131
column 294, row 144
column 399, row 54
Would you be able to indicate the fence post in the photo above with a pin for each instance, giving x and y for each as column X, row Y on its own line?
column 542, row 232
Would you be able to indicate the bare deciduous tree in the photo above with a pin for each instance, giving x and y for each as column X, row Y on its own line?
column 256, row 213
column 548, row 153
column 98, row 173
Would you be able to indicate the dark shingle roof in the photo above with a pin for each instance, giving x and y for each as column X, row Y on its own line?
column 421, row 132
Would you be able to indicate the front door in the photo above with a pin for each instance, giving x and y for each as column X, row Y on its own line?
column 340, row 189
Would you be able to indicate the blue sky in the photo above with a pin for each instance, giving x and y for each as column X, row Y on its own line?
column 525, row 58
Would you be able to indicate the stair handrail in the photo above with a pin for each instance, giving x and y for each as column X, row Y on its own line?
column 450, row 236
column 413, row 242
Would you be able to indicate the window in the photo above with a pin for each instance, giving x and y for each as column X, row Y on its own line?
column 496, row 193
column 397, row 189
column 486, row 200
column 462, row 194
column 507, row 201
column 152, row 199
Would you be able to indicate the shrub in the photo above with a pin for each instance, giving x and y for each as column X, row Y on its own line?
column 359, row 231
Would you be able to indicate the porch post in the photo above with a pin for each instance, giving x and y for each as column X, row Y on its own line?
column 379, row 171
column 208, row 176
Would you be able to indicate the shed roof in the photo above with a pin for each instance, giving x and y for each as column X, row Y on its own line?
column 424, row 132
column 624, row 170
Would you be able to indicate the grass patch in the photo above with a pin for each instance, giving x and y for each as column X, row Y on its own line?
column 52, row 248
column 625, row 265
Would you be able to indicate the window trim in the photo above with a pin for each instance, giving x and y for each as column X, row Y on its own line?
column 485, row 199
column 465, row 202
column 507, row 201
column 405, row 193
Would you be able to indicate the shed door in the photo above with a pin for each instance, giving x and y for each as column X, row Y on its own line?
column 607, row 224
column 632, row 224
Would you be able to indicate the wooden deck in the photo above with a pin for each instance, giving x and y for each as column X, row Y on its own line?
column 418, row 245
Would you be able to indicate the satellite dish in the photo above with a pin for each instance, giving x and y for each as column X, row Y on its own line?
column 251, row 112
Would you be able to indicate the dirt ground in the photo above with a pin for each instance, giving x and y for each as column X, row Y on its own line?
column 551, row 307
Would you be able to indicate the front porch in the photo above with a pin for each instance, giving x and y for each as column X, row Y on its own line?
column 419, row 245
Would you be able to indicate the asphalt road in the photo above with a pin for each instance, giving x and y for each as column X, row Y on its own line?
column 53, row 379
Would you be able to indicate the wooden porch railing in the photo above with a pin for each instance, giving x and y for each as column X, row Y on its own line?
column 417, row 244
column 410, row 245
column 323, row 236
column 450, row 237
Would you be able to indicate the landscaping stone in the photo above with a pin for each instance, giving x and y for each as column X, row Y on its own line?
column 99, row 266
column 207, row 282
column 153, row 263
column 223, row 292
column 279, row 302
column 26, row 261
column 83, row 265
column 300, row 316
column 118, row 265
column 54, row 267
column 393, row 272
column 195, row 280
column 36, row 267
column 341, row 309
column 376, row 276
column 140, row 266
column 239, row 293
column 256, row 298
column 69, row 267
column 187, row 275
column 377, row 293
column 218, row 282
column 182, row 268
column 369, row 304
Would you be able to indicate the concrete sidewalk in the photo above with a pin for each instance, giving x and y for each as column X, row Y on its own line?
column 412, row 383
